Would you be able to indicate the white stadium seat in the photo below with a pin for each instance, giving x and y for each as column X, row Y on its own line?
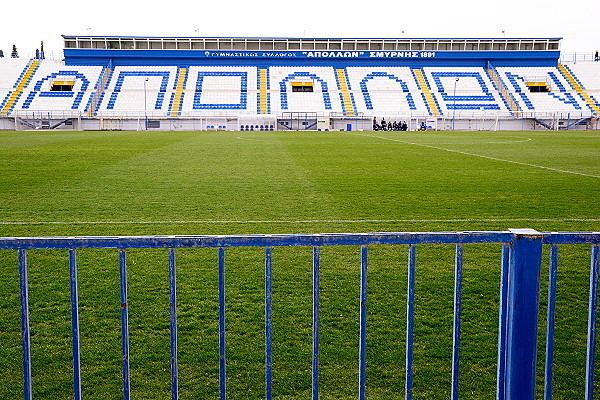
column 324, row 99
column 39, row 97
column 474, row 93
column 200, row 91
column 385, row 90
column 561, row 97
column 141, row 90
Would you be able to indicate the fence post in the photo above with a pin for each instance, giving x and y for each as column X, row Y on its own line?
column 522, row 314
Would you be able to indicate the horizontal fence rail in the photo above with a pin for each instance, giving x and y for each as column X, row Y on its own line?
column 517, row 317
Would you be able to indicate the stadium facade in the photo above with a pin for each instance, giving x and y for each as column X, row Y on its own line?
column 250, row 83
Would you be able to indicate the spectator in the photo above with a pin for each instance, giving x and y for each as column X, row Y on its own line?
column 15, row 53
column 376, row 126
column 596, row 57
column 1, row 54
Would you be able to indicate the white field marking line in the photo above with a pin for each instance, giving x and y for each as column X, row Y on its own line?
column 251, row 139
column 564, row 171
column 520, row 140
column 480, row 142
column 305, row 221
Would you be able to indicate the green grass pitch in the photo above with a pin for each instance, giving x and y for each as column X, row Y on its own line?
column 138, row 183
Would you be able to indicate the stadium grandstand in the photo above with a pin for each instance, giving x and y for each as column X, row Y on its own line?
column 251, row 83
column 216, row 217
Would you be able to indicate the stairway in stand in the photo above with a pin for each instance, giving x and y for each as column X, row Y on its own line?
column 263, row 104
column 576, row 85
column 178, row 95
column 427, row 95
column 348, row 105
column 20, row 86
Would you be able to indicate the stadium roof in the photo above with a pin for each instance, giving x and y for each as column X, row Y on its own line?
column 309, row 38
column 289, row 43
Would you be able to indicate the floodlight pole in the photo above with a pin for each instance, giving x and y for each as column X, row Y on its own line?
column 145, row 106
column 454, row 106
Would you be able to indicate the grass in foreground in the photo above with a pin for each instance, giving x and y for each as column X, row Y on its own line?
column 126, row 183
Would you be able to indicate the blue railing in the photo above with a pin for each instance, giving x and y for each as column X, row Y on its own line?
column 518, row 313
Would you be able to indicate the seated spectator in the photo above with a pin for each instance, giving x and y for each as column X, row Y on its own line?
column 596, row 57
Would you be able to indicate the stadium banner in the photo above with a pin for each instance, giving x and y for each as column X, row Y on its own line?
column 309, row 54
column 320, row 57
column 319, row 54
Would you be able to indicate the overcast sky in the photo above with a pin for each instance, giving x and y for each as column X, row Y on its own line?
column 579, row 23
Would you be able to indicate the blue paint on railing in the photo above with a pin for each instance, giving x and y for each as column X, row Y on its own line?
column 522, row 314
column 410, row 320
column 222, row 345
column 458, row 264
column 591, row 332
column 25, row 332
column 315, row 322
column 268, row 323
column 501, row 368
column 362, row 347
column 173, row 324
column 552, row 272
column 124, row 324
column 75, row 324
column 517, row 320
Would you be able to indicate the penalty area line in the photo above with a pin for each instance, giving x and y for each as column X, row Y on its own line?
column 564, row 171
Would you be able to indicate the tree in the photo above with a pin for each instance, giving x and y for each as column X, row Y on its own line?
column 15, row 53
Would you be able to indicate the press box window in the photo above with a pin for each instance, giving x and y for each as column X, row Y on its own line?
column 302, row 87
column 62, row 86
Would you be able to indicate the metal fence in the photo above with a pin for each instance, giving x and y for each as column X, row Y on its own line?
column 518, row 311
column 588, row 56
